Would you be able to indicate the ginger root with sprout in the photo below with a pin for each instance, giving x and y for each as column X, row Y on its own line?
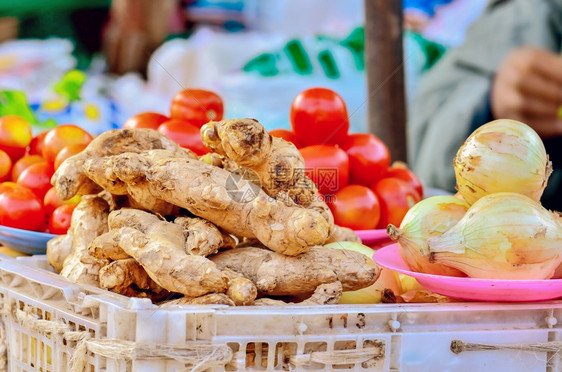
column 324, row 294
column 203, row 190
column 70, row 179
column 89, row 220
column 279, row 275
column 58, row 249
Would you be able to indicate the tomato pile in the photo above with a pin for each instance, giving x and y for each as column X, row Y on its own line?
column 27, row 163
column 353, row 172
column 189, row 111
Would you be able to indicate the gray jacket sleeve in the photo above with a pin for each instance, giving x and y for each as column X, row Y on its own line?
column 457, row 87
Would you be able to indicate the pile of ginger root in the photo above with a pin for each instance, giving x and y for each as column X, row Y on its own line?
column 242, row 225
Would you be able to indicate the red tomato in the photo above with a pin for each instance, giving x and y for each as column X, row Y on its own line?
column 5, row 166
column 197, row 106
column 37, row 178
column 36, row 144
column 150, row 120
column 356, row 207
column 396, row 197
column 60, row 219
column 20, row 208
column 319, row 116
column 369, row 158
column 287, row 135
column 327, row 166
column 67, row 152
column 7, row 186
column 23, row 163
column 51, row 200
column 15, row 136
column 63, row 135
column 401, row 171
column 184, row 134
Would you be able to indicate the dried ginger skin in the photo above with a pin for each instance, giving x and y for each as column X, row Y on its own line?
column 278, row 275
column 202, row 189
column 69, row 179
column 58, row 249
column 89, row 220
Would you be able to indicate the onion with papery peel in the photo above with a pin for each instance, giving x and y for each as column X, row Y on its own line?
column 502, row 236
column 502, row 156
column 428, row 218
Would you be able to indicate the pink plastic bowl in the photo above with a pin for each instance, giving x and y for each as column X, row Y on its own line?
column 374, row 238
column 493, row 290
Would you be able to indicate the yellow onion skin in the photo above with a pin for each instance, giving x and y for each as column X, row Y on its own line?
column 428, row 218
column 502, row 236
column 502, row 156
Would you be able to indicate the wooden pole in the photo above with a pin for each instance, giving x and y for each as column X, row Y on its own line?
column 385, row 74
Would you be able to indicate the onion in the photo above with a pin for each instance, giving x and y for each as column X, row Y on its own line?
column 502, row 156
column 428, row 218
column 502, row 236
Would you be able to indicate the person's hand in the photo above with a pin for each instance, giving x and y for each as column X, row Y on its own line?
column 528, row 88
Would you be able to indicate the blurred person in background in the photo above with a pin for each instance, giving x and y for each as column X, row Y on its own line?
column 509, row 66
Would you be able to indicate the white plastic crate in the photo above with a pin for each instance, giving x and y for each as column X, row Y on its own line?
column 48, row 321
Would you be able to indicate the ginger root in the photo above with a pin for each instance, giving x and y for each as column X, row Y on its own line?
column 159, row 247
column 324, row 294
column 207, row 192
column 127, row 277
column 242, row 291
column 208, row 299
column 202, row 237
column 279, row 275
column 58, row 249
column 89, row 220
column 70, row 179
column 278, row 163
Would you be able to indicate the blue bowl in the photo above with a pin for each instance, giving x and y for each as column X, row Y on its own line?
column 30, row 242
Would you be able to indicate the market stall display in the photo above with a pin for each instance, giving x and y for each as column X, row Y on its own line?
column 116, row 242
column 193, row 239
